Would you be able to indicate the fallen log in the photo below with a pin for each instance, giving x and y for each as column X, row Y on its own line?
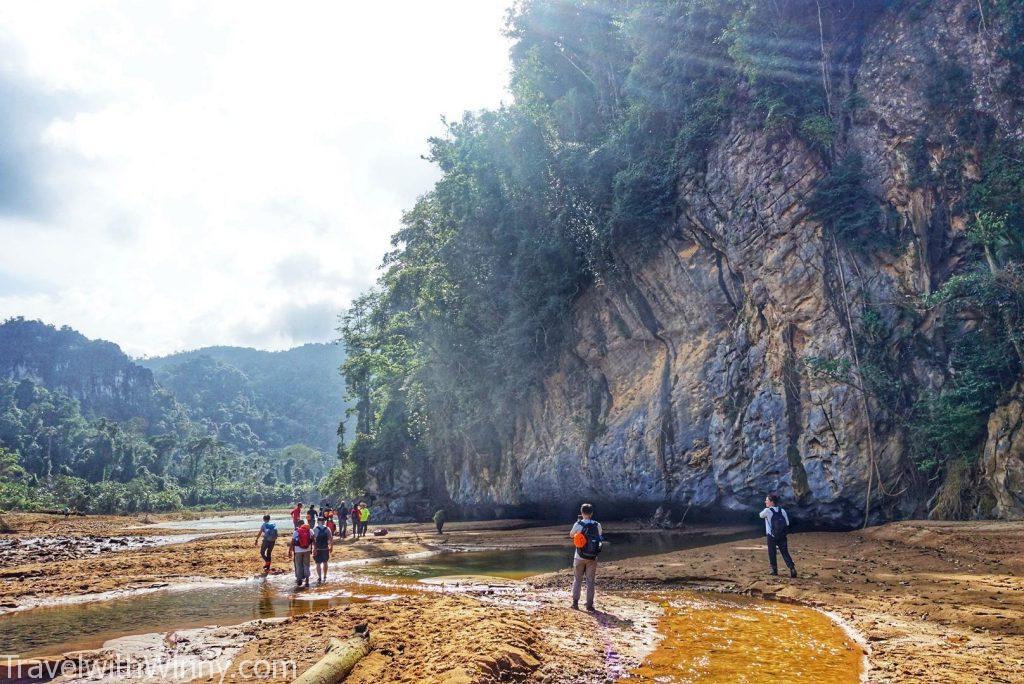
column 342, row 655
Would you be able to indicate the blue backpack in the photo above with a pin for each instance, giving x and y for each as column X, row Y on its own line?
column 270, row 532
column 322, row 539
column 593, row 545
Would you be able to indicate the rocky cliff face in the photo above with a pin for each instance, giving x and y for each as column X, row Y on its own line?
column 105, row 381
column 685, row 384
column 1002, row 463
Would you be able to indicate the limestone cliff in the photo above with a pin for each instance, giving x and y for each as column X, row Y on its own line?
column 102, row 378
column 684, row 384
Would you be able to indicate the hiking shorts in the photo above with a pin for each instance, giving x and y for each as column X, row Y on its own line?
column 321, row 555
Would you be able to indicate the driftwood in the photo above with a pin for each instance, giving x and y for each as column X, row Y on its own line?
column 342, row 655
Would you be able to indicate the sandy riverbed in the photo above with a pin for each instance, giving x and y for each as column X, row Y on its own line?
column 934, row 601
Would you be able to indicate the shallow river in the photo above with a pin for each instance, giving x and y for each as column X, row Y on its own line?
column 708, row 637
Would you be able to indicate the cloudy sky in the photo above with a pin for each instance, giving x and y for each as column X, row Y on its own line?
column 178, row 174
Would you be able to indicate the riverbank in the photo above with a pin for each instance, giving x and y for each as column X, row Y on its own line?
column 46, row 581
column 935, row 601
column 28, row 580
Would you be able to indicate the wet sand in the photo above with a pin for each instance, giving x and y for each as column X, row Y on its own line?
column 934, row 601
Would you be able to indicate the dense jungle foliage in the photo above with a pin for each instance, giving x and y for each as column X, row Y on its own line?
column 616, row 106
column 112, row 440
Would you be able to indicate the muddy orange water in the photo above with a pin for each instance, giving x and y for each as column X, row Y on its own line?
column 717, row 638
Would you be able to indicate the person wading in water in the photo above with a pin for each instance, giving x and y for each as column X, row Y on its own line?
column 299, row 550
column 268, row 531
column 323, row 544
column 776, row 527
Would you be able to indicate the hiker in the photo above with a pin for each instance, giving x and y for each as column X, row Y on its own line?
column 587, row 536
column 330, row 524
column 356, row 515
column 323, row 544
column 439, row 520
column 268, row 531
column 364, row 518
column 297, row 515
column 342, row 520
column 311, row 515
column 299, row 550
column 776, row 527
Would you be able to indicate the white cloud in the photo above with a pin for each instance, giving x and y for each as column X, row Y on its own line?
column 202, row 153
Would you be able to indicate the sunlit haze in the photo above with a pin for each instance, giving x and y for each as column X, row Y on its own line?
column 174, row 175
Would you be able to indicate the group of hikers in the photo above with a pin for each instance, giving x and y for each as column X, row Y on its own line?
column 314, row 532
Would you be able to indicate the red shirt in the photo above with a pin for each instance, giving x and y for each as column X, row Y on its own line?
column 296, row 513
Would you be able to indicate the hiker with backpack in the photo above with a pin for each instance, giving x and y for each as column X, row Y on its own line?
column 268, row 531
column 355, row 513
column 776, row 527
column 364, row 518
column 323, row 544
column 342, row 520
column 588, row 537
column 299, row 550
column 297, row 515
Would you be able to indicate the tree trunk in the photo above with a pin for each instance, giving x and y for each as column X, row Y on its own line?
column 342, row 656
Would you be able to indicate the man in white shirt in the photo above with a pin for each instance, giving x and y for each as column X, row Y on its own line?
column 776, row 526
column 300, row 548
column 584, row 563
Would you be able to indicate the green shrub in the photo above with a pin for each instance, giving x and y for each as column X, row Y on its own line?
column 819, row 131
column 845, row 207
column 949, row 423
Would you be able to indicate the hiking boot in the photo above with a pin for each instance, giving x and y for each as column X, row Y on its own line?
column 575, row 606
column 774, row 572
column 591, row 609
column 792, row 572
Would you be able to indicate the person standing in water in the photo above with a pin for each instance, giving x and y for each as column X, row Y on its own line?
column 323, row 544
column 299, row 551
column 268, row 531
column 439, row 519
column 587, row 536
column 776, row 527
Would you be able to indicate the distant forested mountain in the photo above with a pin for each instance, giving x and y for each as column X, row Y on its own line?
column 275, row 398
column 83, row 425
column 96, row 373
